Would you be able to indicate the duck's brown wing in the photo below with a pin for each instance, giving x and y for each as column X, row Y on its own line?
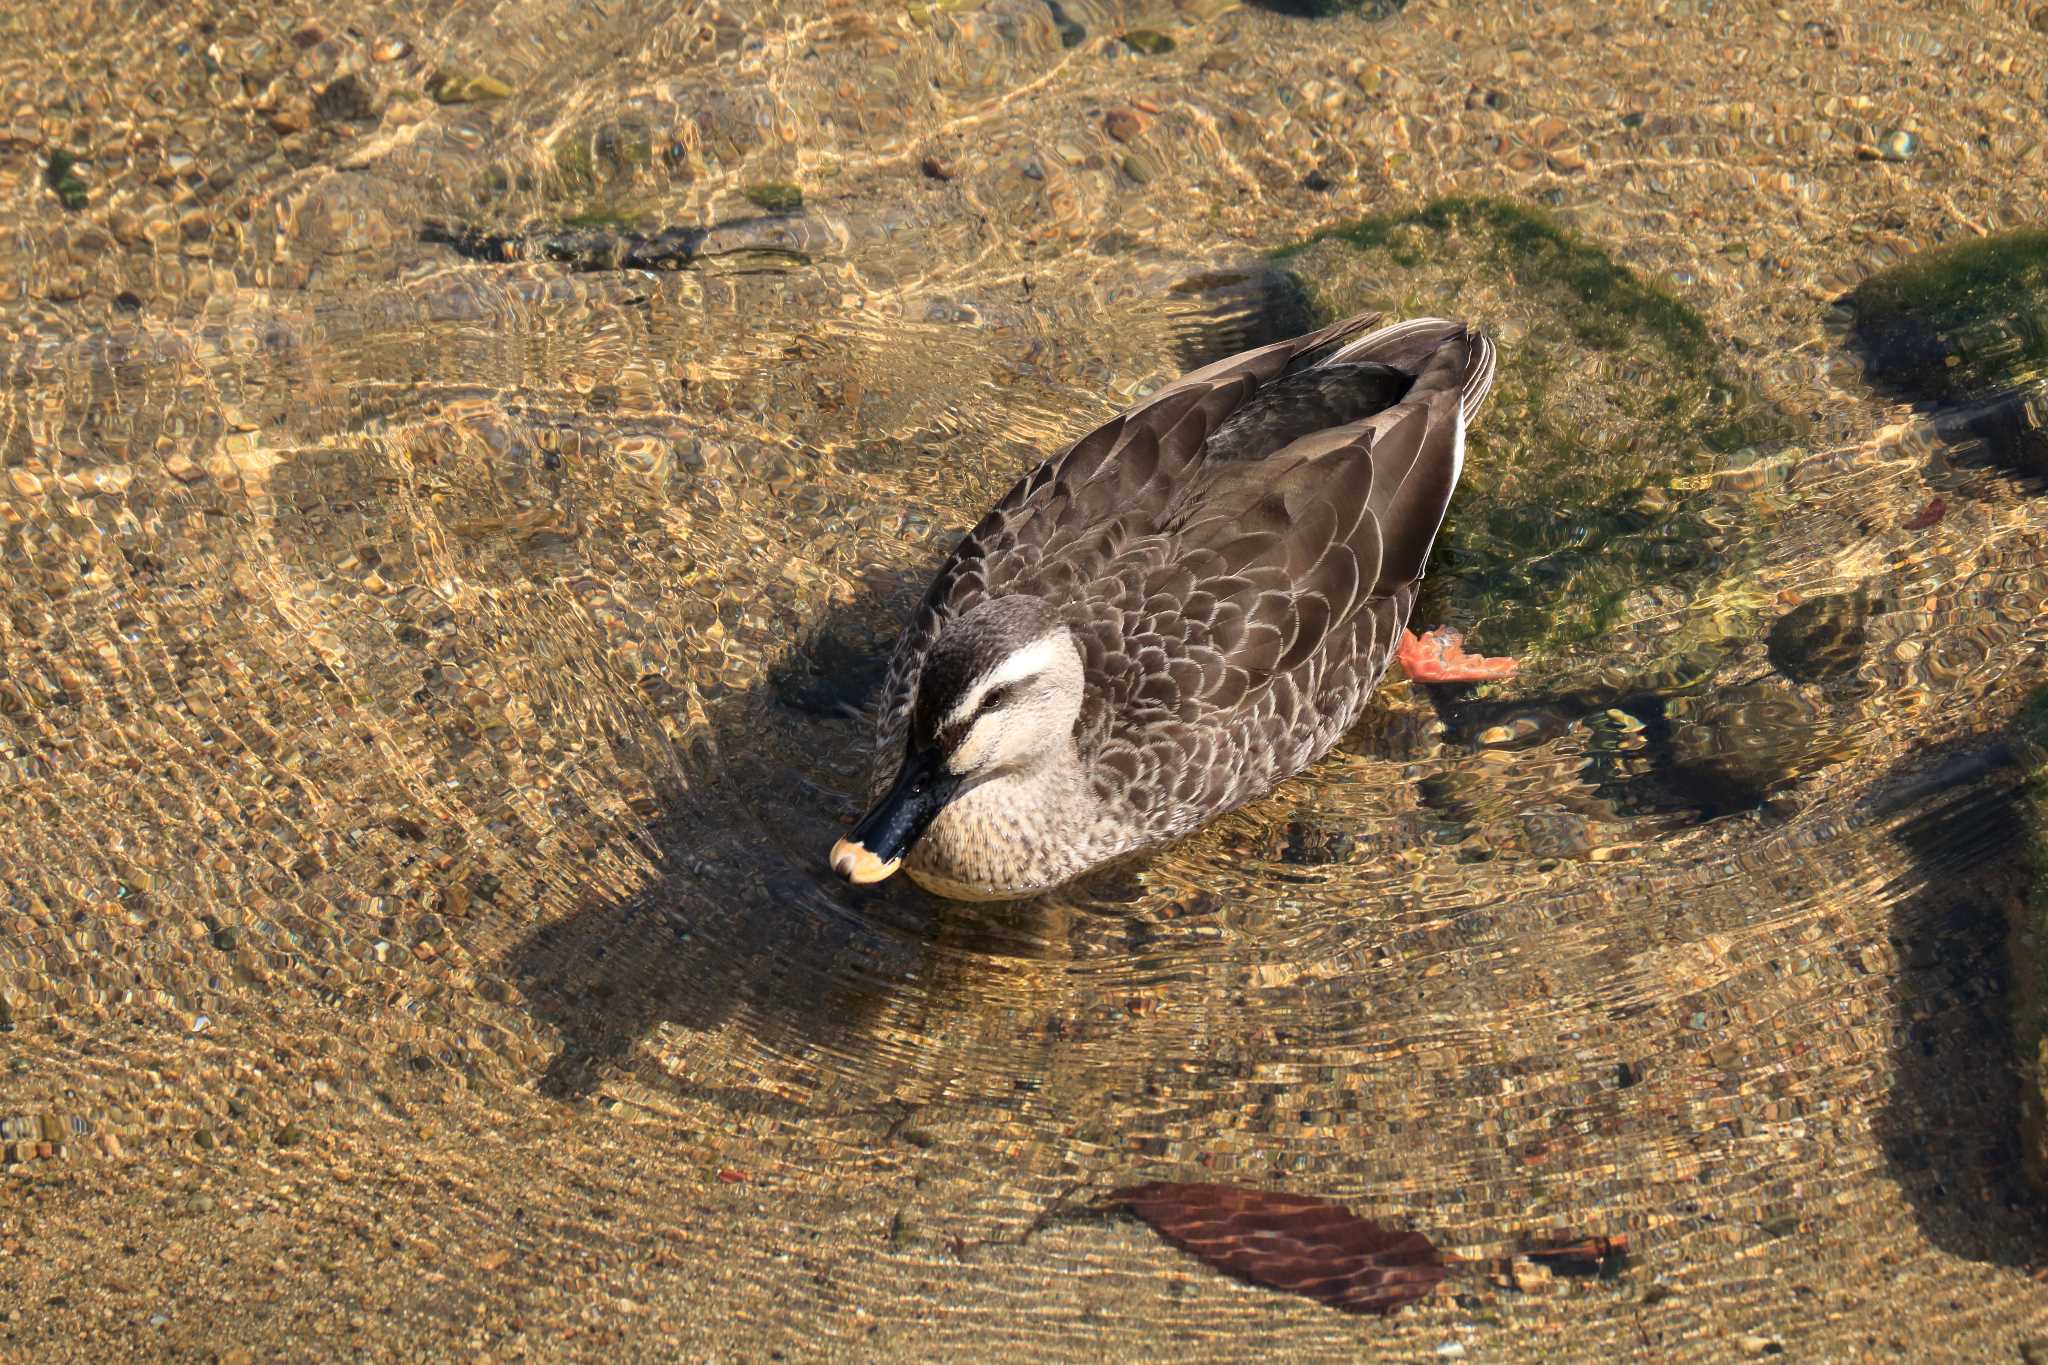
column 1061, row 526
column 1267, row 563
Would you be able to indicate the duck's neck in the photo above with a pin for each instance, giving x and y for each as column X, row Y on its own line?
column 1012, row 835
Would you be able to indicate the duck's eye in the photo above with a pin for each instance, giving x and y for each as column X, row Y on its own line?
column 997, row 697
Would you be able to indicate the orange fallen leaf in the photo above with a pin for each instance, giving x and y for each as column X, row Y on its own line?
column 1292, row 1242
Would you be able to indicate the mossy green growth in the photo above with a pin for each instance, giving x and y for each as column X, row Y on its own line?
column 1149, row 41
column 775, row 196
column 1959, row 321
column 2027, row 940
column 462, row 87
column 612, row 219
column 64, row 180
column 1621, row 454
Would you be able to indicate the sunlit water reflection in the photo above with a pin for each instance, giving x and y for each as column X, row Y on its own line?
column 422, row 665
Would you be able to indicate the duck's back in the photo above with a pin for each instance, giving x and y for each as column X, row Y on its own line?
column 1236, row 557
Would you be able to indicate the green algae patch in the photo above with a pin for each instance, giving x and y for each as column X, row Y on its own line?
column 64, row 181
column 1623, row 465
column 2027, row 945
column 1959, row 321
column 775, row 196
column 465, row 87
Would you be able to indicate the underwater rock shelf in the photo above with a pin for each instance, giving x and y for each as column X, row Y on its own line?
column 1614, row 421
column 1963, row 329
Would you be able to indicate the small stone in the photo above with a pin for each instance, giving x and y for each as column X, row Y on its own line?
column 226, row 937
column 205, row 1140
column 1567, row 160
column 1317, row 181
column 389, row 49
column 1123, row 124
column 935, row 169
column 200, row 1203
column 2035, row 1351
column 1898, row 145
column 346, row 100
column 291, row 1135
column 1149, row 41
column 776, row 196
column 1759, row 1346
column 64, row 181
column 453, row 87
column 1547, row 130
column 492, row 1261
column 1138, row 169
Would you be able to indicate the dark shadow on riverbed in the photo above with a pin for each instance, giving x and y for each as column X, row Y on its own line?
column 1951, row 1129
column 744, row 914
column 745, row 918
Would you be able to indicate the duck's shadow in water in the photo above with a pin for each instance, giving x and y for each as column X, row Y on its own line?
column 743, row 917
column 1950, row 1128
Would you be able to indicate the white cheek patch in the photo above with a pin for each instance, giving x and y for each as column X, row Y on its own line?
column 977, row 748
column 1023, row 663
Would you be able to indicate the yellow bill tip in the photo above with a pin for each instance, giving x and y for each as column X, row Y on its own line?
column 852, row 861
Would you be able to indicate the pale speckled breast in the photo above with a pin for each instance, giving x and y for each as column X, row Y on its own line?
column 1012, row 839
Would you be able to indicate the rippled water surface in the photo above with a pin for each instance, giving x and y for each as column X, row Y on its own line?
column 461, row 470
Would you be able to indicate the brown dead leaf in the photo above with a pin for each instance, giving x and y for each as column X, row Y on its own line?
column 1934, row 511
column 1292, row 1242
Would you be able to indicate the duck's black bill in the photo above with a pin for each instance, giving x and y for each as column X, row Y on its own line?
column 875, row 847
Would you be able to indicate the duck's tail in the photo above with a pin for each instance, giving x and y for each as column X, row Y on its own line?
column 1439, row 353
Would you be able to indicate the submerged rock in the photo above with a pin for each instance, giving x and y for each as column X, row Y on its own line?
column 461, row 87
column 1729, row 749
column 1960, row 321
column 64, row 181
column 1822, row 639
column 1619, row 443
column 775, row 196
column 1966, row 327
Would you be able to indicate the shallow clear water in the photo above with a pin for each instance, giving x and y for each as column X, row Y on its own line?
column 430, row 672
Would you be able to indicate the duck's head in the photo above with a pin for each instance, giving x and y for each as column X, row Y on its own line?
column 999, row 693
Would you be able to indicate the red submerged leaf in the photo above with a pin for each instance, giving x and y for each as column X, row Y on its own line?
column 1292, row 1242
column 1934, row 511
